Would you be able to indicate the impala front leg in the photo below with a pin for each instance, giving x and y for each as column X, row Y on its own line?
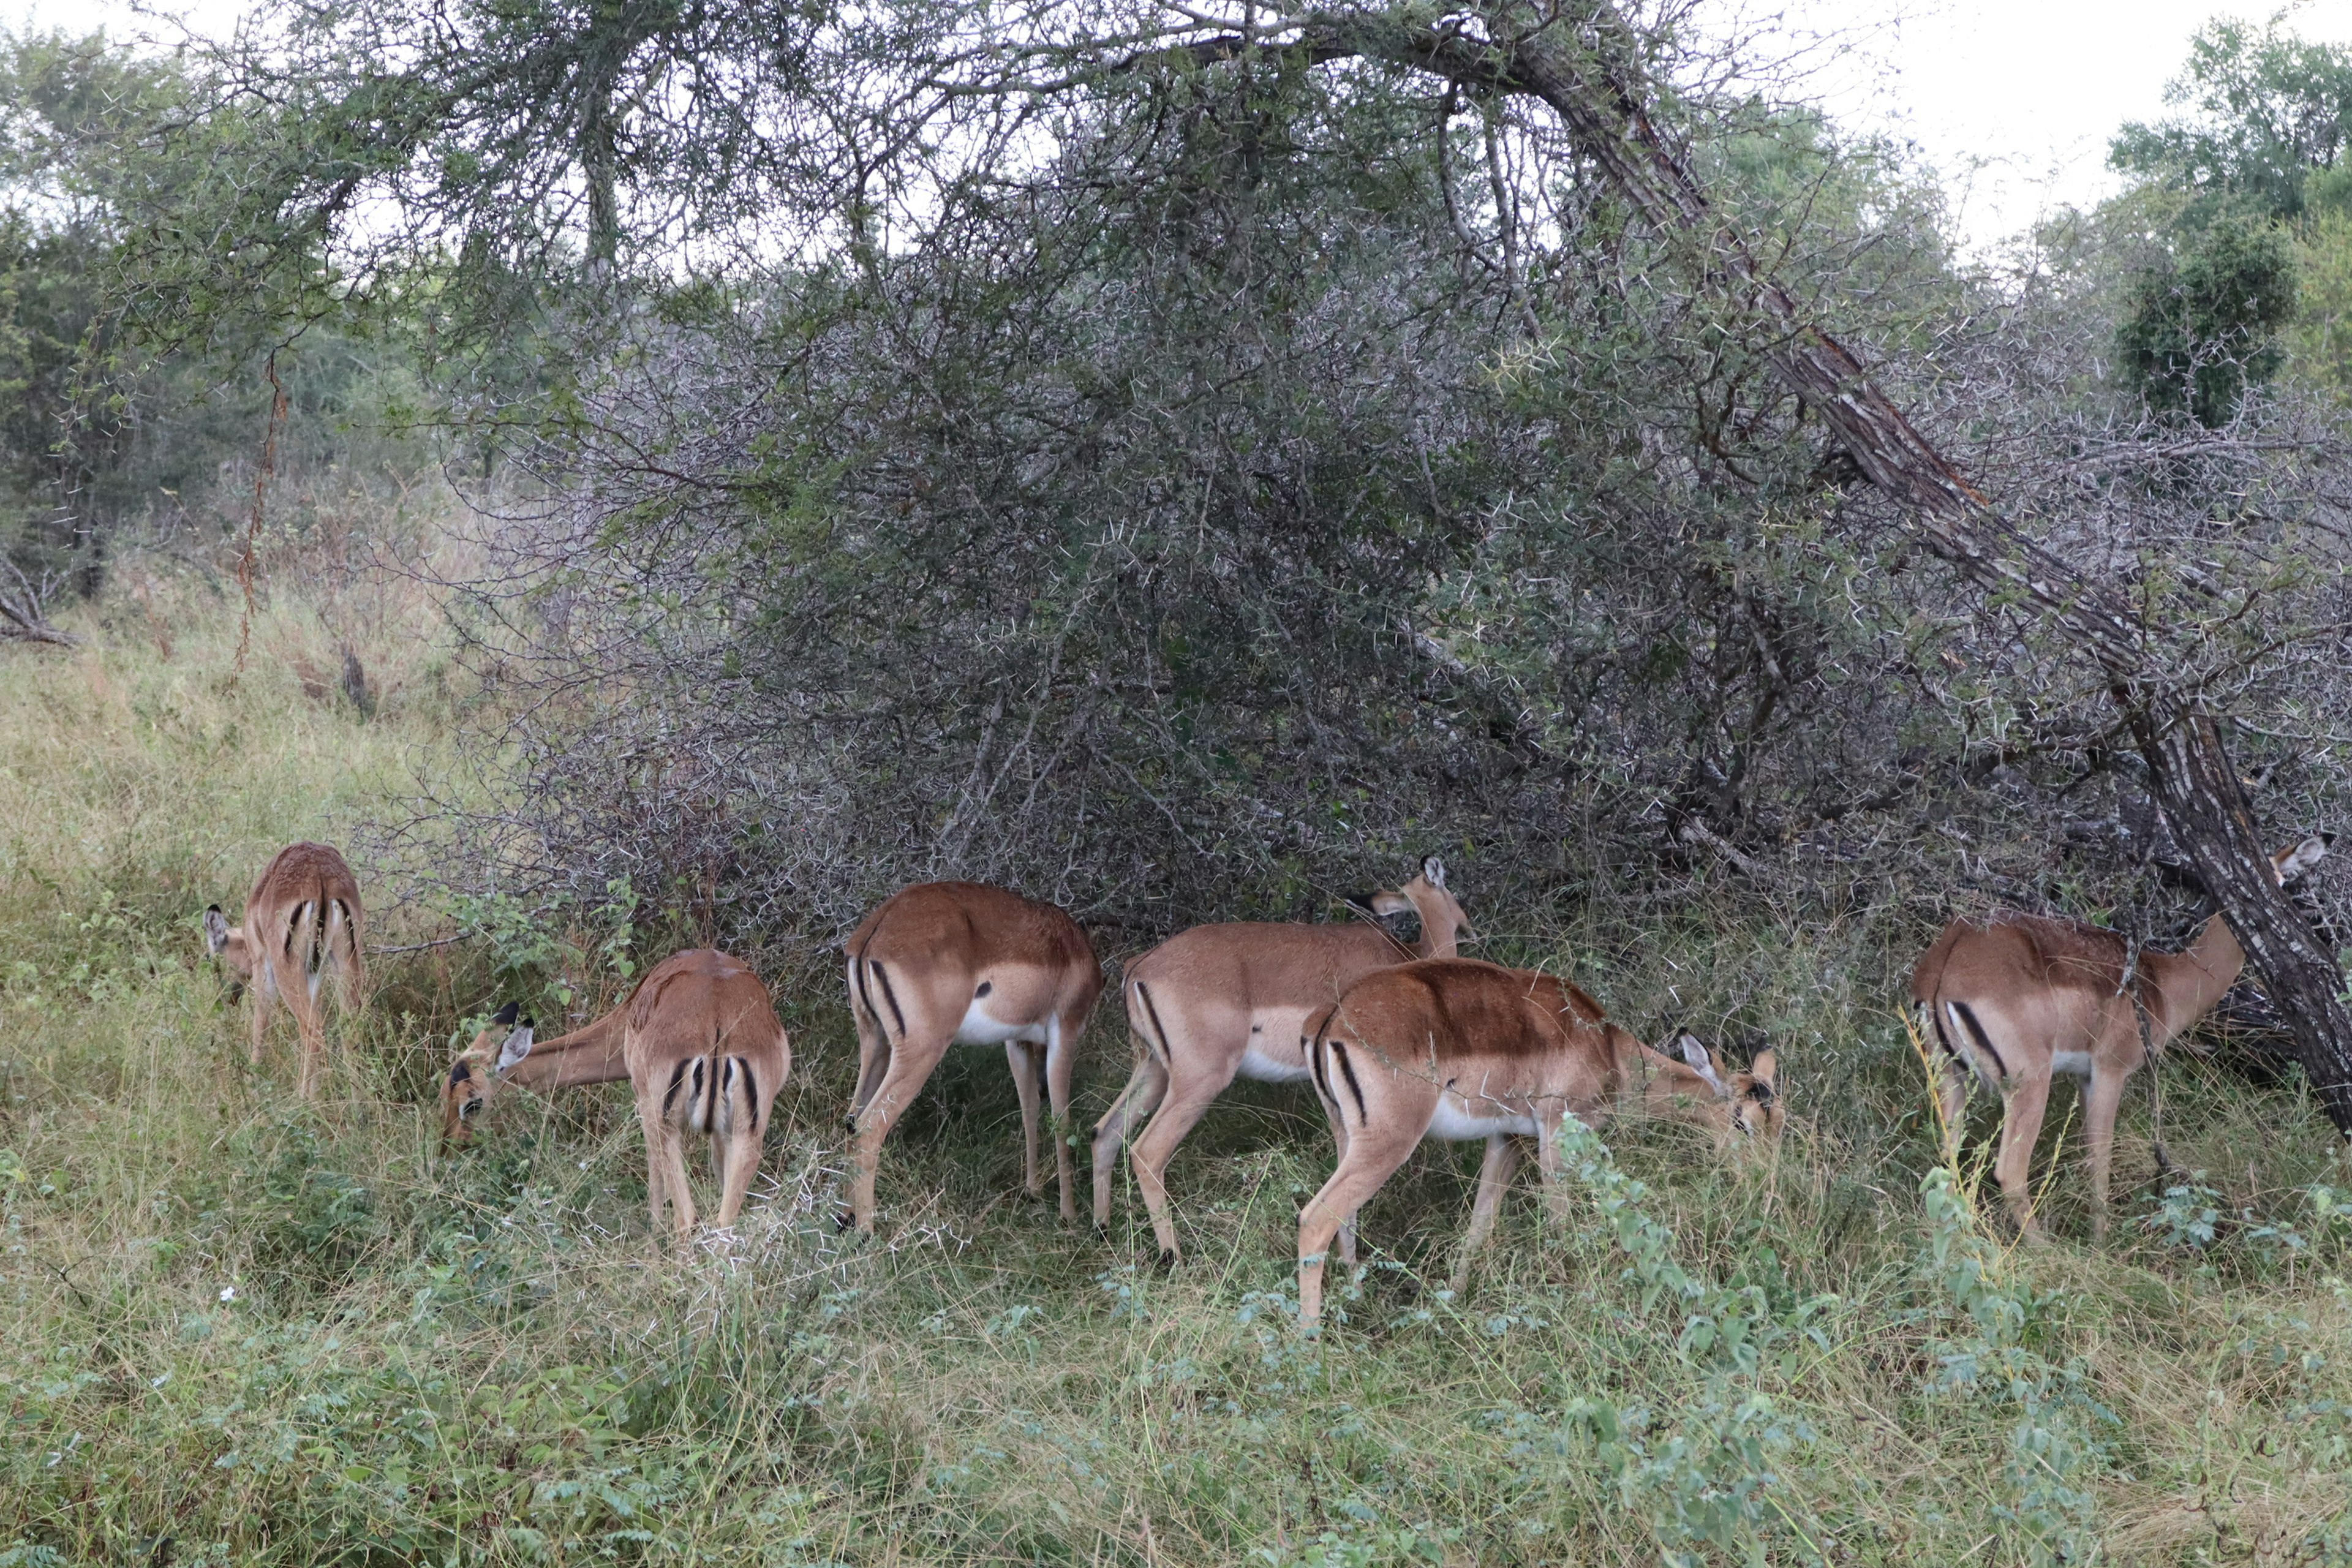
column 1021, row 1056
column 1494, row 1180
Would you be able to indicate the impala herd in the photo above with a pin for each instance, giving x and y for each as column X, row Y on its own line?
column 1399, row 1043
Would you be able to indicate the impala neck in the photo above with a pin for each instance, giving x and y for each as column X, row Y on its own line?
column 2188, row 984
column 589, row 1054
column 1673, row 1091
column 1439, row 925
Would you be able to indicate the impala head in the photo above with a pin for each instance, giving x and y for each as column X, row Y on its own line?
column 228, row 944
column 2293, row 862
column 474, row 1075
column 1427, row 896
column 1752, row 1095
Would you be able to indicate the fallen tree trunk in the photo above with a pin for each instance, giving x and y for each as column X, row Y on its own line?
column 23, row 615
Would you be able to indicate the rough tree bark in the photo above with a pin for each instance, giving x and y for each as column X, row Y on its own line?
column 1580, row 59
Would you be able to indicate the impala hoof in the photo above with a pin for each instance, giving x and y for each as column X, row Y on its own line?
column 1167, row 1260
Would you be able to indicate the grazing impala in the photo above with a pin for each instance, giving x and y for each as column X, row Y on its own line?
column 1221, row 1002
column 944, row 963
column 699, row 1042
column 506, row 1054
column 1458, row 1050
column 302, row 919
column 2012, row 1003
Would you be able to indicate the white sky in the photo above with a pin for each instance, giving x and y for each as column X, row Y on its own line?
column 2011, row 101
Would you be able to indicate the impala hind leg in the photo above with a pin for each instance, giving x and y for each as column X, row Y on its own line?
column 1339, row 1147
column 1368, row 1165
column 910, row 1067
column 873, row 1048
column 665, row 1170
column 310, row 1034
column 1494, row 1180
column 1188, row 1098
column 738, row 1153
column 1146, row 1084
column 1952, row 1105
column 2020, row 1125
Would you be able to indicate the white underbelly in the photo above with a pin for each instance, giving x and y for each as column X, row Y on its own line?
column 1263, row 1068
column 1461, row 1124
column 979, row 1029
column 2076, row 1063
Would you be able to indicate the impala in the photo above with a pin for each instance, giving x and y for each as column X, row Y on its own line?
column 2015, row 1002
column 1221, row 1002
column 958, row 963
column 302, row 919
column 1458, row 1050
column 701, row 1045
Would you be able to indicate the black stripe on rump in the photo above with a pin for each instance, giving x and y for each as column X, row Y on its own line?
column 676, row 1081
column 858, row 996
column 1967, row 1016
column 888, row 996
column 1152, row 1009
column 1348, row 1068
column 1312, row 1048
column 750, row 1095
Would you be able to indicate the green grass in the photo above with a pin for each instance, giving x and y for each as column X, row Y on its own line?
column 247, row 1330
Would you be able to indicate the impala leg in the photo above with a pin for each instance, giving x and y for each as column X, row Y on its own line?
column 1061, row 1042
column 659, row 1161
column 1340, row 1145
column 2021, row 1124
column 1018, row 1056
column 1953, row 1096
column 909, row 1071
column 2101, row 1098
column 1494, row 1180
column 873, row 1050
column 741, row 1155
column 1360, row 1176
column 1555, row 1172
column 1145, row 1087
column 265, row 993
column 310, row 1031
column 1189, row 1097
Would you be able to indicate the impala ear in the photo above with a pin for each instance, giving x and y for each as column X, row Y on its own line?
column 507, row 1014
column 215, row 931
column 1386, row 902
column 1434, row 870
column 518, row 1047
column 1702, row 1062
column 2292, row 863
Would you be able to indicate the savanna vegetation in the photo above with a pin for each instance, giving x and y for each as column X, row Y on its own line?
column 643, row 475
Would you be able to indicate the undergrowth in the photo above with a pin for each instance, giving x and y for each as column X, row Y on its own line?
column 249, row 1330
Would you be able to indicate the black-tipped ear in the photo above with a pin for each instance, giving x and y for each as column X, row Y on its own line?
column 216, row 929
column 1359, row 900
column 507, row 1014
column 1433, row 869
